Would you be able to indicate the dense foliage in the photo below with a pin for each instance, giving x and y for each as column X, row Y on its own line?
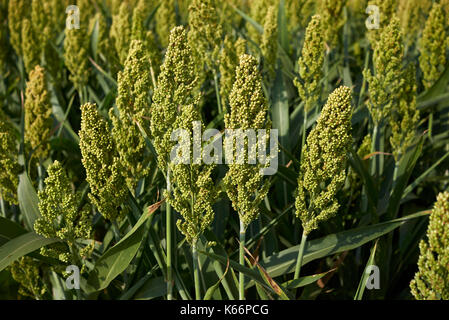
column 90, row 99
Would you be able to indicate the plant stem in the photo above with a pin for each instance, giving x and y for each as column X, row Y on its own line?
column 242, row 261
column 304, row 131
column 40, row 175
column 217, row 93
column 2, row 205
column 373, row 149
column 300, row 256
column 169, row 243
column 196, row 273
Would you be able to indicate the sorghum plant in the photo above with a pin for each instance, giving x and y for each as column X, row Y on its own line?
column 431, row 282
column 323, row 165
column 38, row 122
column 433, row 46
column 244, row 184
column 63, row 217
column 108, row 111
column 100, row 158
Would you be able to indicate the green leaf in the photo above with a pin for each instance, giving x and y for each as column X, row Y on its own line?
column 114, row 261
column 436, row 90
column 21, row 246
column 282, row 26
column 153, row 288
column 304, row 281
column 362, row 283
column 9, row 230
column 28, row 200
column 406, row 165
column 252, row 274
column 284, row 261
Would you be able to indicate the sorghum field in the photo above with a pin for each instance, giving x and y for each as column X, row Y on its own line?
column 238, row 149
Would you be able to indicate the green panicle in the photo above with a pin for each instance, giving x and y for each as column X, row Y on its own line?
column 413, row 14
column 385, row 84
column 333, row 19
column 175, row 89
column 311, row 64
column 38, row 110
column 62, row 216
column 431, row 282
column 26, row 271
column 57, row 15
column 194, row 191
column 229, row 61
column 387, row 9
column 76, row 55
column 432, row 46
column 87, row 10
column 154, row 53
column 269, row 45
column 39, row 22
column 121, row 32
column 102, row 163
column 258, row 12
column 244, row 184
column 228, row 16
column 4, row 41
column 165, row 21
column 133, row 105
column 324, row 162
column 204, row 35
column 404, row 119
column 137, row 28
column 18, row 12
column 365, row 147
column 9, row 166
column 299, row 13
column 30, row 46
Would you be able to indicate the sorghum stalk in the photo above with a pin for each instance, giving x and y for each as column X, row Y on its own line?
column 248, row 110
column 323, row 165
column 242, row 234
column 196, row 272
column 385, row 84
column 174, row 88
column 431, row 282
column 169, row 240
column 300, row 255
